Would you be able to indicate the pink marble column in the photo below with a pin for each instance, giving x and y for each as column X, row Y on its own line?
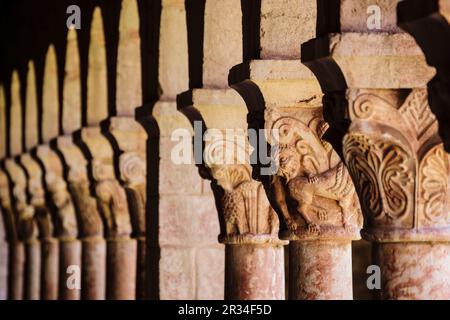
column 93, row 273
column 320, row 270
column 121, row 268
column 4, row 260
column 50, row 262
column 254, row 272
column 140, row 269
column 414, row 270
column 32, row 270
column 16, row 270
column 70, row 255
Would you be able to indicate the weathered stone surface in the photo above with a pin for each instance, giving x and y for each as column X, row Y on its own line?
column 177, row 273
column 50, row 101
column 93, row 281
column 17, row 269
column 173, row 50
column 357, row 15
column 210, row 265
column 180, row 217
column 414, row 271
column 129, row 88
column 97, row 91
column 70, row 255
column 121, row 269
column 247, row 280
column 32, row 272
column 71, row 111
column 222, row 42
column 321, row 270
column 50, row 268
column 285, row 25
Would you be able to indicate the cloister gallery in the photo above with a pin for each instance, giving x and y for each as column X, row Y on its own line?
column 116, row 116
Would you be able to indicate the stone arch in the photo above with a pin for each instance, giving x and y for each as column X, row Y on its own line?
column 71, row 111
column 97, row 88
column 129, row 88
column 31, row 110
column 50, row 112
column 15, row 117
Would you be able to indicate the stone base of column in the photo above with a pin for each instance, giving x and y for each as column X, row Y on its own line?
column 414, row 270
column 16, row 270
column 4, row 261
column 50, row 264
column 254, row 272
column 32, row 270
column 140, row 273
column 121, row 269
column 320, row 270
column 70, row 255
column 93, row 271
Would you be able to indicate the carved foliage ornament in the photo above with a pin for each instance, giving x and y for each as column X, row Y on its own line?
column 247, row 213
column 398, row 164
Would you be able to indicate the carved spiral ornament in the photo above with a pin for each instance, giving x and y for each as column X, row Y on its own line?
column 132, row 168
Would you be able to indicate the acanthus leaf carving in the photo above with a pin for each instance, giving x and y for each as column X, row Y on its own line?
column 399, row 166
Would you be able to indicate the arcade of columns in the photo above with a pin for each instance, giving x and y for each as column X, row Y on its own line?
column 364, row 140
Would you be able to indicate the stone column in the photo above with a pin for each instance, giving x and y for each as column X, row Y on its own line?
column 254, row 256
column 112, row 202
column 392, row 149
column 26, row 277
column 311, row 189
column 11, row 260
column 43, row 218
column 110, row 195
column 66, row 228
column 184, row 264
column 93, row 259
column 130, row 137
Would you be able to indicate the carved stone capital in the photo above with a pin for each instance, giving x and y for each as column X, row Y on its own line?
column 7, row 210
column 66, row 226
column 248, row 217
column 37, row 193
column 399, row 166
column 91, row 224
column 111, row 196
column 25, row 214
column 131, row 139
column 314, row 192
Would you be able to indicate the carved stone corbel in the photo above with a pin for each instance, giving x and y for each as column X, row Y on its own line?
column 66, row 224
column 131, row 139
column 113, row 206
column 93, row 286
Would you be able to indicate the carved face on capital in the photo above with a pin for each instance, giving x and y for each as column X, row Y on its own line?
column 297, row 160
